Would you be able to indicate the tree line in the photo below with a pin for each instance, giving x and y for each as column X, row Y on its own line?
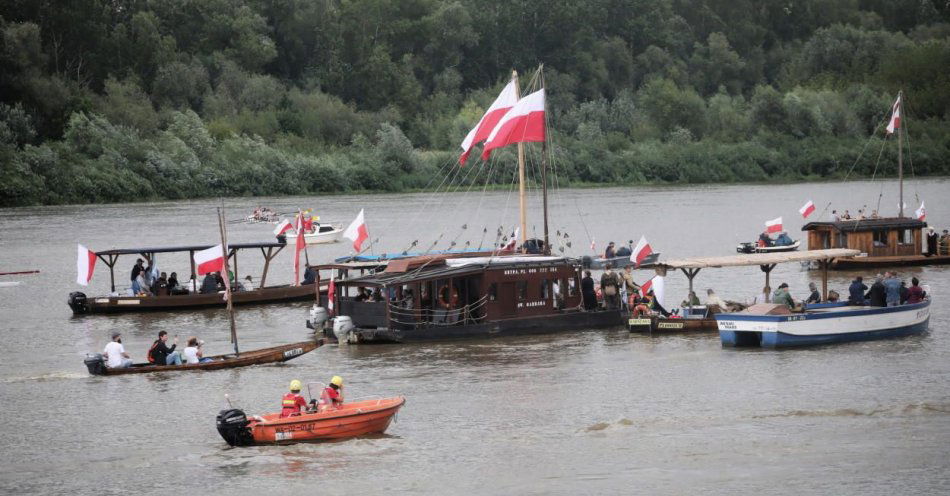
column 126, row 100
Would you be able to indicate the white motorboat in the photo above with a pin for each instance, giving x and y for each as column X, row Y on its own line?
column 323, row 233
column 755, row 248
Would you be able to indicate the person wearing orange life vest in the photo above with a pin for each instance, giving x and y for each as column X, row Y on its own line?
column 292, row 402
column 332, row 396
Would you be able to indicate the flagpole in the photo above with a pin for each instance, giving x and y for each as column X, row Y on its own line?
column 544, row 175
column 227, row 283
column 521, row 193
column 900, row 149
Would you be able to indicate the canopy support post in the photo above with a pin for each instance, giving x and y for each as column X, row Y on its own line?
column 194, row 275
column 767, row 268
column 823, row 264
column 267, row 257
column 690, row 274
column 111, row 264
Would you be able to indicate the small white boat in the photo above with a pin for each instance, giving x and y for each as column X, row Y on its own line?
column 775, row 326
column 322, row 233
column 754, row 248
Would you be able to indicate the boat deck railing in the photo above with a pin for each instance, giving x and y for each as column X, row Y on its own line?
column 426, row 317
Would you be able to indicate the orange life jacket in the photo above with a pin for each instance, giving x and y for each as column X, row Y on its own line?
column 289, row 405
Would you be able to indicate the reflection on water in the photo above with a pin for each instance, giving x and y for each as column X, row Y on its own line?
column 589, row 412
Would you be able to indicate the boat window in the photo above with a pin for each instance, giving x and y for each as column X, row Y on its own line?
column 572, row 286
column 880, row 238
column 906, row 237
column 493, row 291
column 522, row 290
column 544, row 289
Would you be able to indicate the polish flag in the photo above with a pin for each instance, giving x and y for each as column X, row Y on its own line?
column 645, row 287
column 921, row 214
column 356, row 232
column 283, row 227
column 300, row 244
column 210, row 260
column 507, row 99
column 85, row 264
column 331, row 294
column 807, row 209
column 895, row 122
column 774, row 225
column 523, row 123
column 642, row 251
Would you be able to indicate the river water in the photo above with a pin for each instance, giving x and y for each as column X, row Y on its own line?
column 599, row 412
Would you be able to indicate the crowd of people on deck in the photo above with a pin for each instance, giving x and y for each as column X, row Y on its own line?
column 613, row 252
column 146, row 281
column 781, row 239
column 937, row 244
column 159, row 353
column 264, row 214
column 861, row 215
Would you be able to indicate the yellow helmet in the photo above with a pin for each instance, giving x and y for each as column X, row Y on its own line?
column 295, row 385
column 337, row 380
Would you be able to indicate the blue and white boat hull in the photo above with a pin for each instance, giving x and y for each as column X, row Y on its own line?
column 823, row 324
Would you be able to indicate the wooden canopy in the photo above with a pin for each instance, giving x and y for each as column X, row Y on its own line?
column 755, row 259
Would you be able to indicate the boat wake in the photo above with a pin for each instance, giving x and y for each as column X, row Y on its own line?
column 923, row 408
column 52, row 376
column 602, row 426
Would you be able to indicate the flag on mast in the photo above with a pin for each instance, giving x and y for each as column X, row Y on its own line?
column 356, row 232
column 807, row 209
column 642, row 250
column 299, row 244
column 283, row 227
column 523, row 123
column 85, row 264
column 921, row 212
column 210, row 260
column 506, row 99
column 331, row 293
column 895, row 122
column 774, row 225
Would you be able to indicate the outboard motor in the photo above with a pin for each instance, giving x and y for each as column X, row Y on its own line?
column 318, row 316
column 95, row 363
column 78, row 302
column 342, row 326
column 232, row 425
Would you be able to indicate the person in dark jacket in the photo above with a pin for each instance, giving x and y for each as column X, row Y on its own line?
column 610, row 252
column 309, row 275
column 587, row 290
column 931, row 242
column 210, row 283
column 877, row 295
column 161, row 354
column 856, row 291
column 814, row 296
column 160, row 285
column 904, row 292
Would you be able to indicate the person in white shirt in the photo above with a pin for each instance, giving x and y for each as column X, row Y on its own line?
column 248, row 284
column 193, row 353
column 116, row 357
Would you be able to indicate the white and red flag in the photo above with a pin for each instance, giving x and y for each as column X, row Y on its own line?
column 921, row 212
column 331, row 294
column 807, row 209
column 85, row 264
column 523, row 123
column 895, row 122
column 507, row 99
column 283, row 227
column 300, row 243
column 658, row 285
column 356, row 232
column 774, row 225
column 210, row 260
column 641, row 251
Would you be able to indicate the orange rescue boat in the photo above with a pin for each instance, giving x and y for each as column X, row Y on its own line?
column 354, row 419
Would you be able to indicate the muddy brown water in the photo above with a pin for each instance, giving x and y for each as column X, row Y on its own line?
column 598, row 412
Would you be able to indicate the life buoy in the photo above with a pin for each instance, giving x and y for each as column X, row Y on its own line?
column 448, row 297
column 641, row 309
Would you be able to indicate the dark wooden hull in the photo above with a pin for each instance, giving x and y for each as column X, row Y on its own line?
column 662, row 325
column 275, row 354
column 117, row 304
column 548, row 324
column 889, row 261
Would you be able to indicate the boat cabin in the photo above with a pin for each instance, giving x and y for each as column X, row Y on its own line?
column 890, row 237
column 423, row 292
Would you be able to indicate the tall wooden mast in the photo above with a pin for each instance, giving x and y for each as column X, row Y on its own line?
column 229, row 295
column 521, row 193
column 900, row 149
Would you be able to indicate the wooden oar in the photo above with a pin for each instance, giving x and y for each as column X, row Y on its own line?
column 19, row 272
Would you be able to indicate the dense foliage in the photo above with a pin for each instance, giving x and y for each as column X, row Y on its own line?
column 125, row 100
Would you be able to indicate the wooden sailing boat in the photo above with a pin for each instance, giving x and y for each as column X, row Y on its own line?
column 451, row 297
column 95, row 363
column 883, row 242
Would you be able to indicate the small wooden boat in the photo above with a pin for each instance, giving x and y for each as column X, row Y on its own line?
column 776, row 326
column 755, row 248
column 96, row 363
column 349, row 420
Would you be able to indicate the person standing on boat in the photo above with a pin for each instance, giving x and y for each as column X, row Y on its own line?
column 877, row 295
column 588, row 292
column 628, row 283
column 309, row 275
column 136, row 270
column 931, row 242
column 611, row 288
column 292, row 402
column 892, row 289
column 814, row 296
column 161, row 354
column 856, row 292
column 332, row 396
column 782, row 296
column 116, row 357
column 248, row 284
column 915, row 294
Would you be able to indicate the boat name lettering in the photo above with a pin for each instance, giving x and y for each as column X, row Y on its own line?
column 638, row 322
column 727, row 325
column 793, row 318
column 294, row 352
column 922, row 313
column 671, row 325
column 282, row 436
column 288, row 429
column 539, row 303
